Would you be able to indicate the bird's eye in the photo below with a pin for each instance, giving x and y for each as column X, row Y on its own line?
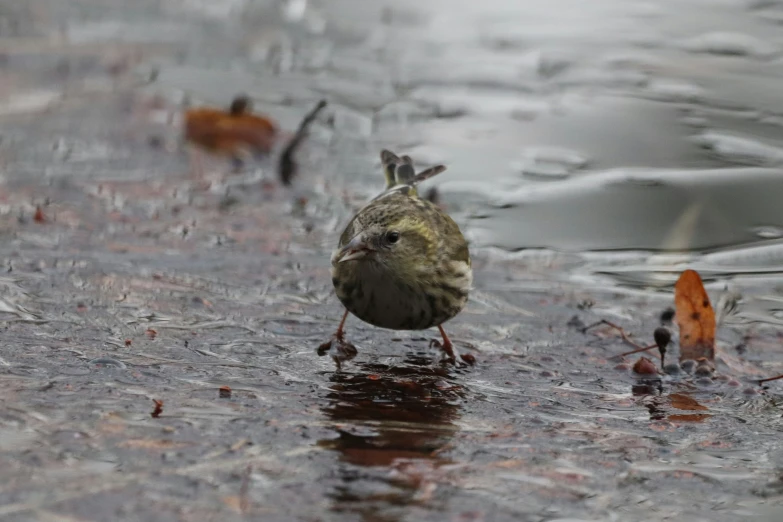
column 392, row 237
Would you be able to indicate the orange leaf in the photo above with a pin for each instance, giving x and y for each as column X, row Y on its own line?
column 685, row 402
column 695, row 317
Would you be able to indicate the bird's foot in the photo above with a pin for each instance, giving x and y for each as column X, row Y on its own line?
column 338, row 348
column 448, row 351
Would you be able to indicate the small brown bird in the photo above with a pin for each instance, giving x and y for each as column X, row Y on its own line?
column 401, row 262
column 236, row 133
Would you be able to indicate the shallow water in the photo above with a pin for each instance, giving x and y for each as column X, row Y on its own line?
column 594, row 150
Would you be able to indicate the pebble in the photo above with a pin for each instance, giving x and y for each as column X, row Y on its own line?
column 688, row 365
column 672, row 369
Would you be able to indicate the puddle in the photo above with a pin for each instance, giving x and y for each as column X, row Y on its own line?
column 636, row 209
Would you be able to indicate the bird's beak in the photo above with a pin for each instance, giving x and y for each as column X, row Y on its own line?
column 355, row 249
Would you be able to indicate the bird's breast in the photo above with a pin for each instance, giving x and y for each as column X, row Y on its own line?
column 377, row 297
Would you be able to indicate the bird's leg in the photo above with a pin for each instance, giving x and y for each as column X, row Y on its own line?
column 446, row 345
column 340, row 333
column 448, row 348
column 337, row 347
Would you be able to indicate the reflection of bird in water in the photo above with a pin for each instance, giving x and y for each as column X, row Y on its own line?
column 393, row 422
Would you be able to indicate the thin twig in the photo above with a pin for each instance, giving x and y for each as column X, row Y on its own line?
column 625, row 338
column 642, row 349
column 762, row 381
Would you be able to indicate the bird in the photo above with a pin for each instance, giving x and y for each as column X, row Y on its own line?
column 236, row 133
column 401, row 263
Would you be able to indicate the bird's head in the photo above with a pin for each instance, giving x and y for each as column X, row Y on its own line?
column 386, row 237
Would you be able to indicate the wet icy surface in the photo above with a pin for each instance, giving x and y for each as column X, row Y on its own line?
column 595, row 150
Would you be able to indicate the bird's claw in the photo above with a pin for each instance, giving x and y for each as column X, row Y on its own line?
column 451, row 357
column 338, row 348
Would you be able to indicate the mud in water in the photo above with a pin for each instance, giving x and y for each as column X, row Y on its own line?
column 594, row 151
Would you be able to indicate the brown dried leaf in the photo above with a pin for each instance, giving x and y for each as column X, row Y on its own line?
column 158, row 408
column 695, row 317
column 686, row 402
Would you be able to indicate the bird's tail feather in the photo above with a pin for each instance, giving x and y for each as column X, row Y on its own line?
column 400, row 171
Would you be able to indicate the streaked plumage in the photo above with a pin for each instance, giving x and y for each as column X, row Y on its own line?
column 402, row 263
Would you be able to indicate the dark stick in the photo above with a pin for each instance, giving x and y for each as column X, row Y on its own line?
column 761, row 381
column 287, row 167
column 662, row 337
